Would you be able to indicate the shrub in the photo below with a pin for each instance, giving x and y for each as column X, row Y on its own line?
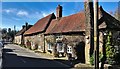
column 110, row 50
column 92, row 58
column 29, row 47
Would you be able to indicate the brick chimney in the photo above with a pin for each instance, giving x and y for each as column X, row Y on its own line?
column 26, row 24
column 89, row 37
column 59, row 11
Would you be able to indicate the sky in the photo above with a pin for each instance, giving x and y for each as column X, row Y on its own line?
column 18, row 13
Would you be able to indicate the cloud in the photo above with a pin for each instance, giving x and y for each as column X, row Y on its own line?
column 10, row 10
column 45, row 13
column 22, row 13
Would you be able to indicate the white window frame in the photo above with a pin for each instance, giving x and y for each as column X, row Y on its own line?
column 39, row 47
column 32, row 43
column 49, row 46
column 58, row 44
column 59, row 36
column 69, row 49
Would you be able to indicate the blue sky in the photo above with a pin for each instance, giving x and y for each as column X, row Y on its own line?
column 17, row 13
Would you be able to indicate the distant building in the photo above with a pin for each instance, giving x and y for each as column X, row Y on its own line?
column 19, row 38
column 34, row 37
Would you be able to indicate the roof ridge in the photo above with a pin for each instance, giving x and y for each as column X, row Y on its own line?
column 40, row 25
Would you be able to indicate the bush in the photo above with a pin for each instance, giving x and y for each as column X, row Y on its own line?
column 21, row 45
column 92, row 58
column 29, row 47
column 110, row 50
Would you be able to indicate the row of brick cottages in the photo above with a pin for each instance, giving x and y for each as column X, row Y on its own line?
column 66, row 35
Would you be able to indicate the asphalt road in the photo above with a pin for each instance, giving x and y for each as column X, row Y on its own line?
column 17, row 57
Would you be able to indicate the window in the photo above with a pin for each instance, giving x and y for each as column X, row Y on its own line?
column 39, row 47
column 49, row 46
column 69, row 49
column 60, row 47
column 58, row 37
column 32, row 43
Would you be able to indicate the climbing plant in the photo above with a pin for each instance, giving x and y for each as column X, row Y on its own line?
column 110, row 50
column 92, row 58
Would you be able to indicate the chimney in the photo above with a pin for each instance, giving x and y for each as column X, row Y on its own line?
column 89, row 40
column 26, row 25
column 23, row 26
column 59, row 11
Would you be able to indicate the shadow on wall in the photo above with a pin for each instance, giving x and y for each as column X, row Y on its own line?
column 80, row 51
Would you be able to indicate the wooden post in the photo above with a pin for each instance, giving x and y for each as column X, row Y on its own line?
column 96, row 35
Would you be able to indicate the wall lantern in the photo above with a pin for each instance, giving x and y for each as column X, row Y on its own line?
column 87, row 39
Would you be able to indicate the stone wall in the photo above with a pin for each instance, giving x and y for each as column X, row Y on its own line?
column 37, row 41
column 77, row 43
column 18, row 39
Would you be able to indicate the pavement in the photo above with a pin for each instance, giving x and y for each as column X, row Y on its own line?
column 16, row 56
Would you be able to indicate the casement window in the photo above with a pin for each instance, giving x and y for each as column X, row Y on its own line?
column 59, row 36
column 60, row 47
column 69, row 49
column 49, row 46
column 39, row 47
column 32, row 43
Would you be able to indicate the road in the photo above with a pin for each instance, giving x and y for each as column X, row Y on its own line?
column 16, row 57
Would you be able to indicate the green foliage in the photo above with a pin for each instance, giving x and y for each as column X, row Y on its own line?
column 29, row 47
column 92, row 58
column 100, row 56
column 110, row 50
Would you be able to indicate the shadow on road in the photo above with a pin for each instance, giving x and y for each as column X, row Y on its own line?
column 11, row 61
column 7, row 50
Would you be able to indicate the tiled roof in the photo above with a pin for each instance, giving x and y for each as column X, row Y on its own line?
column 23, row 30
column 109, row 21
column 72, row 23
column 40, row 25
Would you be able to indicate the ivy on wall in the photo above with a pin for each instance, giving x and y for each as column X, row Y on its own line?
column 110, row 50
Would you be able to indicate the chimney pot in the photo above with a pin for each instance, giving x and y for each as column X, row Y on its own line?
column 23, row 26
